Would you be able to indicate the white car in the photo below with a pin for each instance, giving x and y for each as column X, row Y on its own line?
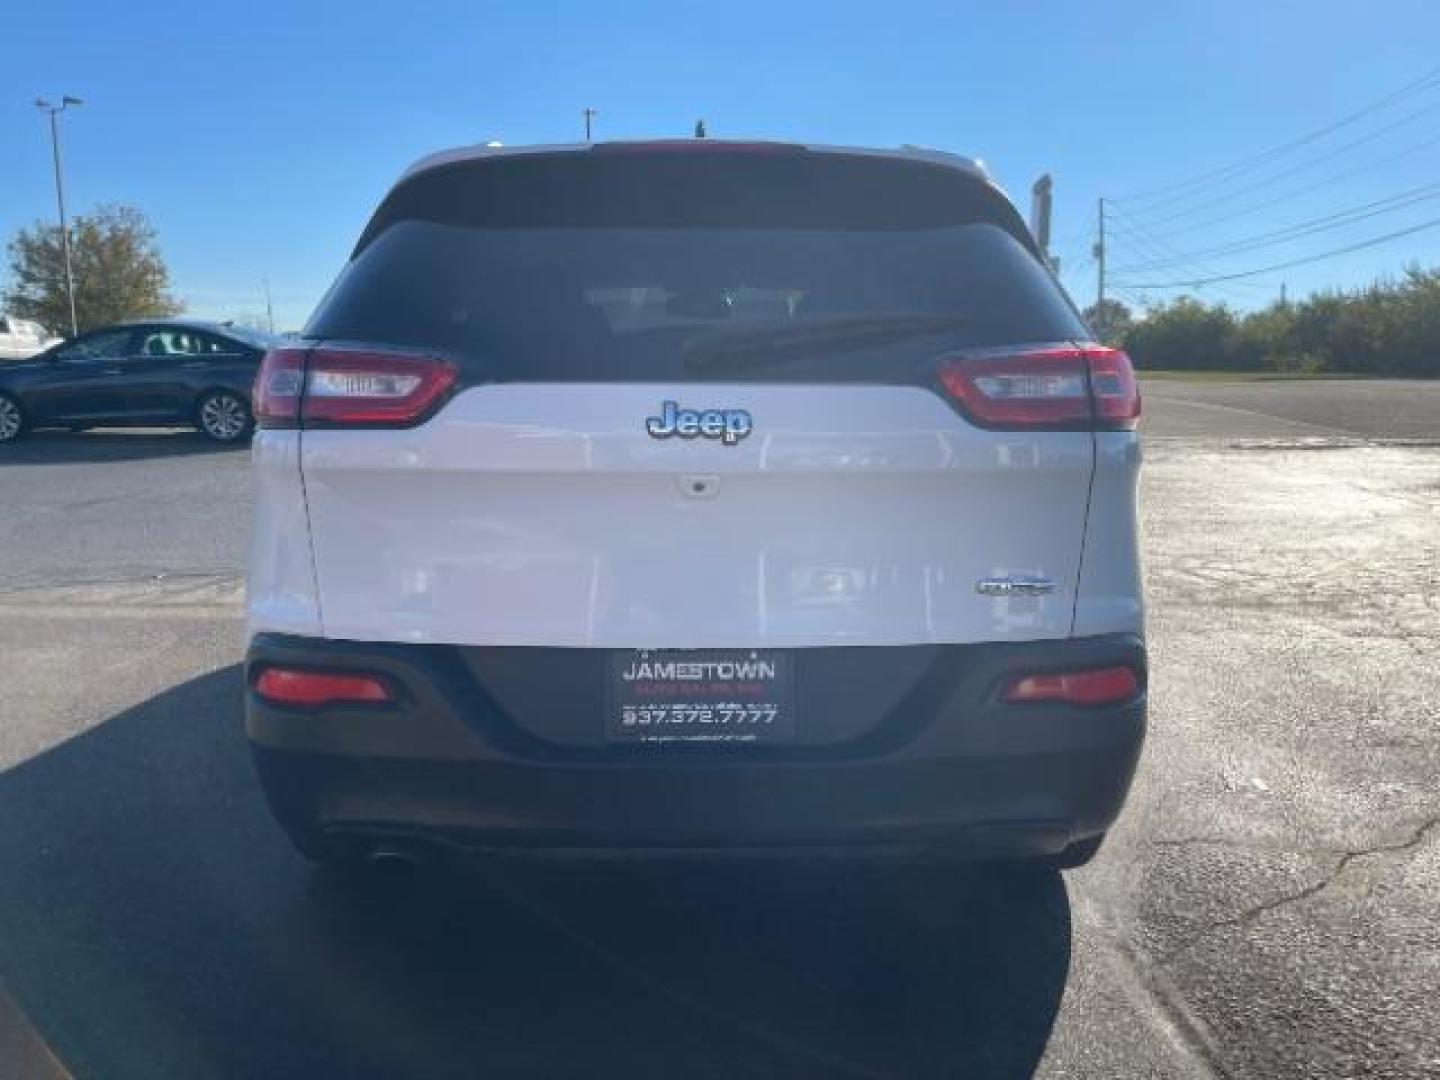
column 21, row 339
column 696, row 496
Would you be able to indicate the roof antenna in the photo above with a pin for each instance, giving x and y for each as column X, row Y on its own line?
column 700, row 132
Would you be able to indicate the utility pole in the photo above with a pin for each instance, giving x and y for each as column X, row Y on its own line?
column 269, row 308
column 1282, row 294
column 54, row 111
column 1100, row 259
column 590, row 115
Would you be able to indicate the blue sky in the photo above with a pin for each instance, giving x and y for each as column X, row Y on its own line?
column 259, row 136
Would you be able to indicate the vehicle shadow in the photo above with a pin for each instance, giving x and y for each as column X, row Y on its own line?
column 113, row 444
column 153, row 923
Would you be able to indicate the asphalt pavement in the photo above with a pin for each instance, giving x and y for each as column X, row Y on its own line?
column 1283, row 408
column 1268, row 906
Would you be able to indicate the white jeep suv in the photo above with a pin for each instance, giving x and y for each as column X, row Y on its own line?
column 696, row 496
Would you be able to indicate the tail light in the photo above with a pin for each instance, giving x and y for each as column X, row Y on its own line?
column 277, row 388
column 1114, row 389
column 332, row 387
column 311, row 689
column 1097, row 686
column 372, row 389
column 1056, row 387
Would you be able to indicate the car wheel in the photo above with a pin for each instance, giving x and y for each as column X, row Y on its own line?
column 12, row 419
column 223, row 416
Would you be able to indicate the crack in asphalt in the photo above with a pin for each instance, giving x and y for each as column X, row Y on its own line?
column 1343, row 858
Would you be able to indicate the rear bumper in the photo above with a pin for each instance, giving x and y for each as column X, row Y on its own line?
column 962, row 771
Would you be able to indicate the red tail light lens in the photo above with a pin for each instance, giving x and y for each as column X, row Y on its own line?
column 353, row 388
column 277, row 388
column 331, row 387
column 1057, row 387
column 289, row 686
column 1113, row 386
column 1021, row 388
column 1098, row 686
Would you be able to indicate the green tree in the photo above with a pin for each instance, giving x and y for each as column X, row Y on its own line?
column 1185, row 334
column 1266, row 340
column 118, row 270
column 1416, row 339
column 1110, row 319
column 1391, row 327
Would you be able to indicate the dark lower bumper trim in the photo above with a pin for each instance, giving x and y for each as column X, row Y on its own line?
column 966, row 771
column 1000, row 839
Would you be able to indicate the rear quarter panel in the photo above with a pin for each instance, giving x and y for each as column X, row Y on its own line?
column 1109, row 598
column 280, row 588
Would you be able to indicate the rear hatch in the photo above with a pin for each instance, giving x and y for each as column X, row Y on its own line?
column 700, row 402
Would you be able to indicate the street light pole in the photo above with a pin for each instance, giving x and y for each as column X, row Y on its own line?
column 55, row 111
column 590, row 115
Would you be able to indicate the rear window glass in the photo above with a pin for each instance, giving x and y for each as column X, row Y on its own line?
column 781, row 280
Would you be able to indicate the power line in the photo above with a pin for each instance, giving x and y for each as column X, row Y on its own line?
column 1373, row 242
column 1199, row 269
column 1073, row 240
column 1292, row 170
column 1142, row 241
column 1425, row 82
column 1127, row 235
column 1136, row 300
column 1344, row 174
column 1300, row 229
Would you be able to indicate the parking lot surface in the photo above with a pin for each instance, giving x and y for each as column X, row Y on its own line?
column 1268, row 907
column 1387, row 409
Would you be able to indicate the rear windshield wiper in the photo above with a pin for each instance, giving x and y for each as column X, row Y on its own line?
column 744, row 347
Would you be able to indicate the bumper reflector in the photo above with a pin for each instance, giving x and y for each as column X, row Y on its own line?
column 1098, row 686
column 289, row 686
